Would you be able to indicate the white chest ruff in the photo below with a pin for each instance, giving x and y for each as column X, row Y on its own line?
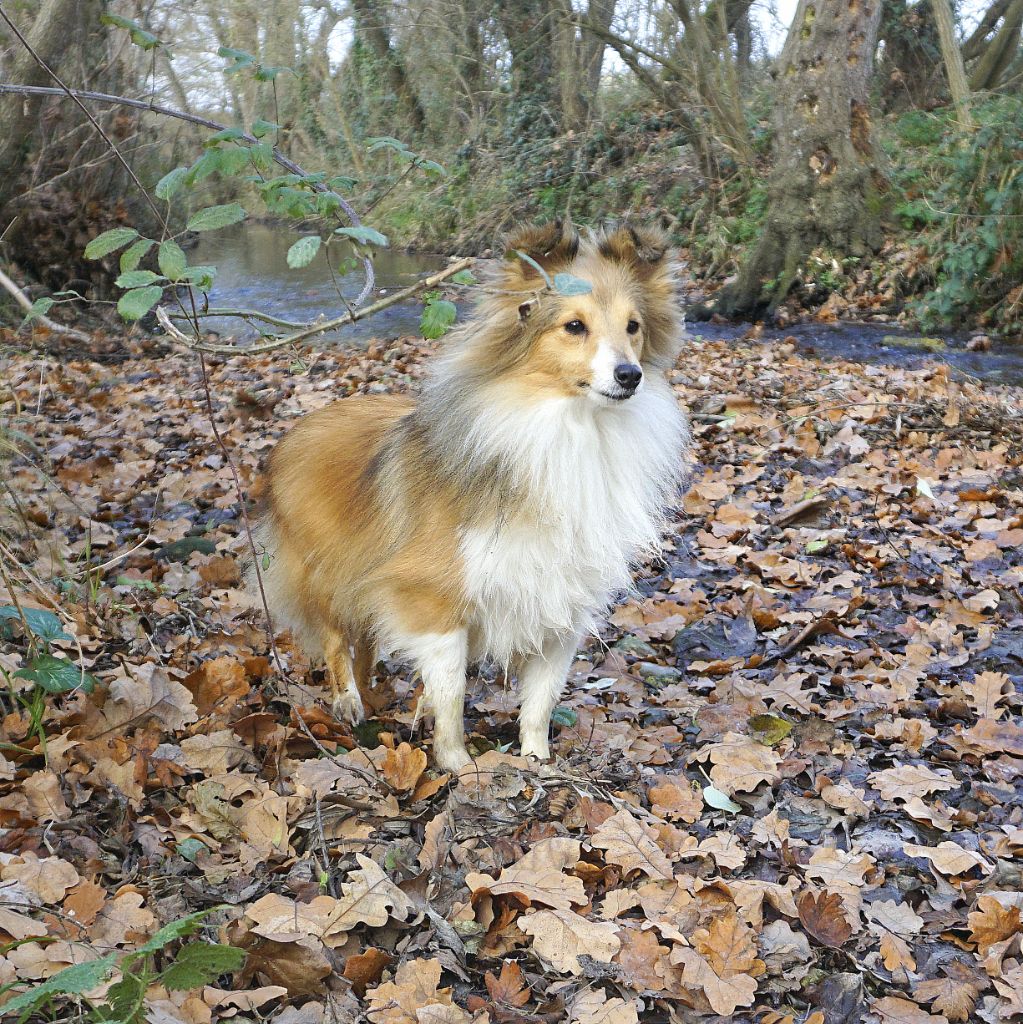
column 600, row 481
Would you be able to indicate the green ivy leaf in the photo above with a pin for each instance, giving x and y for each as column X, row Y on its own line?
column 73, row 980
column 132, row 256
column 137, row 279
column 463, row 277
column 115, row 238
column 56, row 675
column 214, row 217
column 364, row 236
column 42, row 623
column 172, row 259
column 437, row 318
column 201, row 963
column 568, row 284
column 304, row 251
column 138, row 302
column 171, row 182
column 565, row 717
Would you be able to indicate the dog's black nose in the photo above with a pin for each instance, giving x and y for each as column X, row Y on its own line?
column 628, row 375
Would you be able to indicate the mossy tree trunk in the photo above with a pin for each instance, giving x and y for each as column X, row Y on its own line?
column 824, row 187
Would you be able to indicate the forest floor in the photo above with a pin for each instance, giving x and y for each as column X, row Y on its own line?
column 788, row 782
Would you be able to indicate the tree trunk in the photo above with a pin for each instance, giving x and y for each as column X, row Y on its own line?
column 953, row 59
column 1000, row 51
column 18, row 114
column 373, row 29
column 530, row 28
column 824, row 187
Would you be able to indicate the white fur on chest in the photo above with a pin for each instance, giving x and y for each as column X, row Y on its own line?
column 600, row 481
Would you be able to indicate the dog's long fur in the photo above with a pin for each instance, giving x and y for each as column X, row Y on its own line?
column 496, row 516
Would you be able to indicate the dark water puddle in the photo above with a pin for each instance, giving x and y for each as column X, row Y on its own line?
column 883, row 344
column 252, row 272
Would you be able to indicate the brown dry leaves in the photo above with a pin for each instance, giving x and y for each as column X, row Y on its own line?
column 825, row 642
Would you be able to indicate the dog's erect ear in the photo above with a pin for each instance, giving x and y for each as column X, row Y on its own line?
column 634, row 246
column 552, row 245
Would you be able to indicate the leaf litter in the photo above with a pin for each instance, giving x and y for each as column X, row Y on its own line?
column 787, row 783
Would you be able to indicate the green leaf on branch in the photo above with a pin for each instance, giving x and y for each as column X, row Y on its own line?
column 463, row 277
column 224, row 135
column 178, row 929
column 201, row 963
column 343, row 181
column 132, row 256
column 139, row 36
column 172, row 259
column 56, row 675
column 569, row 284
column 214, row 217
column 137, row 279
column 261, row 127
column 42, row 623
column 240, row 58
column 171, row 182
column 39, row 308
column 386, row 142
column 526, row 258
column 109, row 241
column 139, row 301
column 364, row 236
column 304, row 251
column 201, row 276
column 268, row 72
column 438, row 316
column 72, row 981
column 431, row 167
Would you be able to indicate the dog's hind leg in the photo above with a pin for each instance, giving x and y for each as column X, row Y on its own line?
column 541, row 680
column 347, row 702
column 365, row 660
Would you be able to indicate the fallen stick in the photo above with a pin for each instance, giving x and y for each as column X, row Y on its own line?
column 313, row 329
column 22, row 300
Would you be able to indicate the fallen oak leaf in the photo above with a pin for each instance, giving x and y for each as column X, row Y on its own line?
column 949, row 858
column 823, row 917
column 630, row 844
column 896, row 1010
column 561, row 936
column 992, row 923
column 986, row 691
column 955, row 995
column 510, row 987
column 539, row 876
column 592, row 1006
column 403, row 766
column 365, row 968
column 910, row 780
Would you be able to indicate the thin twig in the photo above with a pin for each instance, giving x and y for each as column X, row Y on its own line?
column 307, row 332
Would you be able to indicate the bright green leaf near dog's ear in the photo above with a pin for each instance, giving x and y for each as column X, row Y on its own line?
column 138, row 302
column 109, row 241
column 463, row 277
column 201, row 963
column 172, row 259
column 569, row 284
column 304, row 251
column 364, row 236
column 437, row 318
column 56, row 675
column 214, row 217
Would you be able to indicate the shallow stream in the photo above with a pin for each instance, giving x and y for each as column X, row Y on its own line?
column 252, row 272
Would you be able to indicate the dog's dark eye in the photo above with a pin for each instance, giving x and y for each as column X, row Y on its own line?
column 575, row 327
column 632, row 327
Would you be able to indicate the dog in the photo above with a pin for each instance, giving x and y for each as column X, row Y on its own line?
column 497, row 515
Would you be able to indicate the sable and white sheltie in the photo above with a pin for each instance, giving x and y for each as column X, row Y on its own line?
column 496, row 515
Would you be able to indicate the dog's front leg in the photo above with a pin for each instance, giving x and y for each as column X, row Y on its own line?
column 541, row 680
column 442, row 660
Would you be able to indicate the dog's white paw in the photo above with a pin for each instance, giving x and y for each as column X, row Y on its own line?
column 451, row 758
column 348, row 707
column 535, row 745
